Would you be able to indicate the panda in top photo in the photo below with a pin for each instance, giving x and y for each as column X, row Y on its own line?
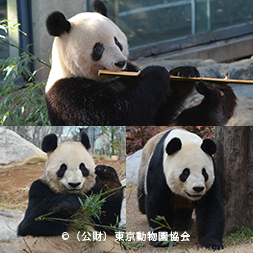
column 76, row 95
column 176, row 176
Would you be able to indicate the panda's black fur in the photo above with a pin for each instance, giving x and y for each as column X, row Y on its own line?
column 149, row 99
column 177, row 210
column 42, row 200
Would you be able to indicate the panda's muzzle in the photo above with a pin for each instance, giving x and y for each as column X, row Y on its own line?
column 120, row 64
column 74, row 186
column 193, row 196
column 198, row 192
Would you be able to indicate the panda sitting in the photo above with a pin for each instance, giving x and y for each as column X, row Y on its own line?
column 76, row 95
column 70, row 175
column 176, row 175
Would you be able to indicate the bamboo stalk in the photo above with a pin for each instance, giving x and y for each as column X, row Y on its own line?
column 179, row 78
column 118, row 73
column 213, row 80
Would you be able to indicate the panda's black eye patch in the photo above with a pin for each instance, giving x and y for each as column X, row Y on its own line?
column 119, row 45
column 184, row 175
column 84, row 170
column 97, row 51
column 205, row 175
column 60, row 173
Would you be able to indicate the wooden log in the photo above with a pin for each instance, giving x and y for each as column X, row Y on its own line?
column 234, row 163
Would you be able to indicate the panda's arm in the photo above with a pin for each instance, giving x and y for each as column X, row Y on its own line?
column 43, row 201
column 216, row 108
column 122, row 101
column 210, row 218
column 107, row 179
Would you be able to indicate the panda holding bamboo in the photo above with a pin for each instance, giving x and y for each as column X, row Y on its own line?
column 70, row 176
column 176, row 176
column 76, row 95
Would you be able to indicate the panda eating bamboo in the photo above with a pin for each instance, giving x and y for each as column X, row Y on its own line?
column 76, row 95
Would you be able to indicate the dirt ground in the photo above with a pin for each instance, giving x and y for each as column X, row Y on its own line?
column 16, row 181
column 137, row 222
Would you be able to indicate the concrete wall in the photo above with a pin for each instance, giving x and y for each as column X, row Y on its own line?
column 42, row 40
column 225, row 50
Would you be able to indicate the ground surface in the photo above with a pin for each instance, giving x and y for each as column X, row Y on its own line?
column 16, row 181
column 137, row 222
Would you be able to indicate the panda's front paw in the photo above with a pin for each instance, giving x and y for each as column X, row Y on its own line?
column 107, row 178
column 105, row 172
column 210, row 243
column 185, row 71
column 68, row 204
column 209, row 91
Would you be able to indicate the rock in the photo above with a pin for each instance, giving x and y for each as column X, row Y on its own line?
column 241, row 70
column 123, row 208
column 243, row 115
column 132, row 165
column 9, row 221
column 209, row 72
column 14, row 149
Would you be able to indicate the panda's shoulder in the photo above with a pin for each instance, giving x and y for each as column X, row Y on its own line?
column 159, row 149
column 39, row 189
column 81, row 86
column 74, row 83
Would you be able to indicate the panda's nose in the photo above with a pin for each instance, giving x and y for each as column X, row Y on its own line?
column 198, row 189
column 74, row 185
column 120, row 64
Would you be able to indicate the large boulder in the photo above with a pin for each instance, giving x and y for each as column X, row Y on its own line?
column 15, row 149
column 132, row 167
column 9, row 221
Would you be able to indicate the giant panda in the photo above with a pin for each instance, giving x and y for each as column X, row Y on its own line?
column 177, row 175
column 76, row 95
column 70, row 175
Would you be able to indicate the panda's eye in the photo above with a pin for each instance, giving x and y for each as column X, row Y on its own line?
column 205, row 175
column 60, row 173
column 97, row 51
column 184, row 175
column 84, row 170
column 119, row 45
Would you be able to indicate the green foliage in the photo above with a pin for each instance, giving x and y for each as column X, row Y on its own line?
column 21, row 104
column 238, row 236
column 117, row 146
column 160, row 220
column 91, row 207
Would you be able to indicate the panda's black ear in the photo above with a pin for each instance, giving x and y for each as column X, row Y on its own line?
column 208, row 146
column 57, row 24
column 85, row 140
column 49, row 143
column 173, row 146
column 99, row 7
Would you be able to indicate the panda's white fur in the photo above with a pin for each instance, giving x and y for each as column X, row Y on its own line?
column 71, row 52
column 72, row 154
column 190, row 156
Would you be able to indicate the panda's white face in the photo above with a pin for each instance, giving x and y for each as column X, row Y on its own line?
column 189, row 172
column 94, row 42
column 70, row 168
